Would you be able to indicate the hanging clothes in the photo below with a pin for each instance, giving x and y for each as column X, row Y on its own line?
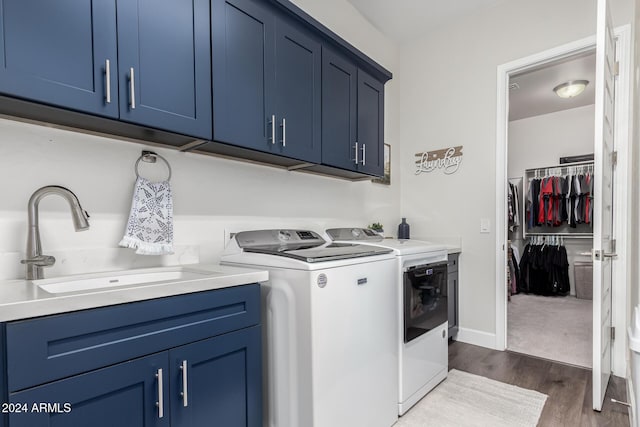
column 553, row 201
column 514, row 272
column 544, row 270
column 513, row 207
column 533, row 203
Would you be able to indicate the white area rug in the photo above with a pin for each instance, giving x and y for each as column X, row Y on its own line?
column 554, row 328
column 465, row 399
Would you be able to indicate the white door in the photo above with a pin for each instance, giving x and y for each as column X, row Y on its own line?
column 603, row 204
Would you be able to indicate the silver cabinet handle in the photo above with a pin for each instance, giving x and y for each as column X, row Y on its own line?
column 272, row 122
column 284, row 132
column 160, row 402
column 107, row 72
column 356, row 153
column 185, row 398
column 132, row 89
column 364, row 153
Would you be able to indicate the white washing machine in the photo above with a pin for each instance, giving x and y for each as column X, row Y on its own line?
column 329, row 335
column 421, row 287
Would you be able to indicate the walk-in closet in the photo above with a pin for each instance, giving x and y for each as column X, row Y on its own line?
column 550, row 212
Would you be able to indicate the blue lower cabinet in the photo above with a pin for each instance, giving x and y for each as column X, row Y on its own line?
column 217, row 381
column 121, row 395
column 222, row 379
column 190, row 361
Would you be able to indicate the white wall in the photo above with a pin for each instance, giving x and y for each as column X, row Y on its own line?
column 448, row 97
column 540, row 141
column 211, row 195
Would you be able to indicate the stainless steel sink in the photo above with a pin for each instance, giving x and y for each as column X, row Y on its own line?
column 127, row 278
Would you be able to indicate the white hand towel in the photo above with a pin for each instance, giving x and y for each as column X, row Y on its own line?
column 150, row 227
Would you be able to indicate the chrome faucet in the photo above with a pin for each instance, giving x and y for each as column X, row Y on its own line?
column 35, row 259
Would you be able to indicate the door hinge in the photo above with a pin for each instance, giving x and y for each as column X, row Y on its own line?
column 614, row 158
column 613, row 333
column 616, row 69
column 612, row 245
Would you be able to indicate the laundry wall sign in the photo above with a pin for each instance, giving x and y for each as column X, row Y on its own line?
column 447, row 159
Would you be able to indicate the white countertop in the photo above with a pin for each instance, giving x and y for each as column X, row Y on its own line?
column 453, row 249
column 453, row 244
column 22, row 299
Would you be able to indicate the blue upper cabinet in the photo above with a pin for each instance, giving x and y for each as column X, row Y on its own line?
column 266, row 81
column 298, row 90
column 164, row 65
column 352, row 116
column 370, row 124
column 61, row 53
column 339, row 111
column 147, row 63
column 243, row 43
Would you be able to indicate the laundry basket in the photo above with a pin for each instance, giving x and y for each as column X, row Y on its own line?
column 583, row 274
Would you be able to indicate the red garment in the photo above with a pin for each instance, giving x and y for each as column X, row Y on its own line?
column 546, row 201
column 587, row 216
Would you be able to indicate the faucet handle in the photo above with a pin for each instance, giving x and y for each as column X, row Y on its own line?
column 40, row 261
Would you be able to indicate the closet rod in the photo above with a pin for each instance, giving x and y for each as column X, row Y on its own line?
column 570, row 235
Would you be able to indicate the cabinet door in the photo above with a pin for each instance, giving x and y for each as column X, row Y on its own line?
column 370, row 124
column 165, row 72
column 339, row 109
column 298, row 92
column 242, row 40
column 452, row 298
column 121, row 395
column 223, row 381
column 56, row 52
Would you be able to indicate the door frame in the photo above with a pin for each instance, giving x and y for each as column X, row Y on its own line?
column 621, row 176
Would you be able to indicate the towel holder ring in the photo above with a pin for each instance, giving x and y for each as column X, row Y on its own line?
column 151, row 157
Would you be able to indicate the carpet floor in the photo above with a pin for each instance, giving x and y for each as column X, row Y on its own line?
column 466, row 400
column 554, row 328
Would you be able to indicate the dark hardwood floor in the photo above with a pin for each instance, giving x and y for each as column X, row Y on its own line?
column 568, row 387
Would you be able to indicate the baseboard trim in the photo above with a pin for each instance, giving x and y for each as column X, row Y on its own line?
column 633, row 421
column 479, row 338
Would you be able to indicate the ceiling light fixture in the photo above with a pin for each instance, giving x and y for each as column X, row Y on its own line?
column 571, row 88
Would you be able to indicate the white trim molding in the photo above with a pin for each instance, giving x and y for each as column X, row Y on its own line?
column 622, row 177
column 475, row 337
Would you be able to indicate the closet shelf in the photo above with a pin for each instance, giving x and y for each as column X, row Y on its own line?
column 563, row 169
